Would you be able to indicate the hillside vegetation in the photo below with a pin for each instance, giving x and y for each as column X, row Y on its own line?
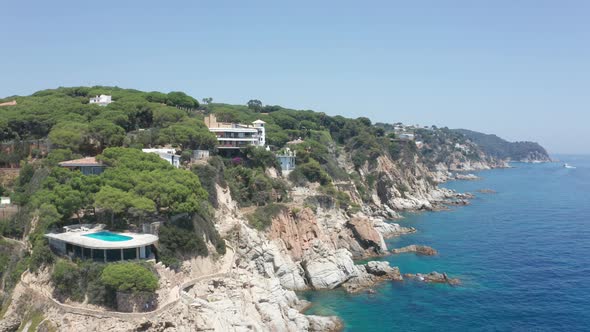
column 350, row 164
column 497, row 147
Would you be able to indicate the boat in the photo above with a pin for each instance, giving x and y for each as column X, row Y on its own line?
column 566, row 165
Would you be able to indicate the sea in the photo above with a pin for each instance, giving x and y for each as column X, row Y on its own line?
column 522, row 255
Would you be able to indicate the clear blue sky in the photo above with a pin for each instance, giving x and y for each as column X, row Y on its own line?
column 520, row 69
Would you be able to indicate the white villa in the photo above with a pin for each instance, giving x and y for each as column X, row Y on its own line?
column 102, row 100
column 87, row 241
column 237, row 135
column 167, row 154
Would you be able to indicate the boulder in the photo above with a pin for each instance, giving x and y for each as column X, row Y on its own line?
column 420, row 250
column 366, row 234
column 370, row 274
column 329, row 270
column 382, row 269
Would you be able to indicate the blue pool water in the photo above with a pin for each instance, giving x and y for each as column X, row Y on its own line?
column 522, row 254
column 108, row 236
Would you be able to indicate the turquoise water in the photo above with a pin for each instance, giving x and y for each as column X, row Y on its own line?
column 108, row 236
column 522, row 254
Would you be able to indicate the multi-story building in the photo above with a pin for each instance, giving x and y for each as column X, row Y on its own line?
column 237, row 135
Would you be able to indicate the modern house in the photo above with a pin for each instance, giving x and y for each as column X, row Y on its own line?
column 88, row 165
column 102, row 100
column 167, row 154
column 237, row 135
column 406, row 136
column 88, row 241
column 287, row 159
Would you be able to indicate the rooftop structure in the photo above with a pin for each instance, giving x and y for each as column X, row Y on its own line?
column 88, row 165
column 102, row 100
column 167, row 154
column 236, row 135
column 88, row 241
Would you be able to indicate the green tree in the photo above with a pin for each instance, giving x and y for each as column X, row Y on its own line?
column 117, row 201
column 181, row 99
column 69, row 135
column 255, row 105
column 106, row 133
column 129, row 277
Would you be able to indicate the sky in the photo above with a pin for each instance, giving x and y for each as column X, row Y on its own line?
column 518, row 69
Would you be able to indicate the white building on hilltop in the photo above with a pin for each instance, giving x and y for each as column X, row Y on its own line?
column 167, row 154
column 237, row 135
column 102, row 100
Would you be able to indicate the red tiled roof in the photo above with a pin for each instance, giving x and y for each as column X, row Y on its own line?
column 88, row 161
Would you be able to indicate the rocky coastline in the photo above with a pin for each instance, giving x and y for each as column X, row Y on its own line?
column 307, row 247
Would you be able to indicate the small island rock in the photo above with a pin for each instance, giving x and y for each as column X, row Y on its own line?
column 418, row 249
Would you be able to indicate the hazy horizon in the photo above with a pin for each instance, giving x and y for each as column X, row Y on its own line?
column 517, row 70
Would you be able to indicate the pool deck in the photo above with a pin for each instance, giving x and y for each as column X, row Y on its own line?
column 78, row 239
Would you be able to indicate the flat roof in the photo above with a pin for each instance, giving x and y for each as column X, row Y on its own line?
column 79, row 239
column 235, row 130
column 88, row 161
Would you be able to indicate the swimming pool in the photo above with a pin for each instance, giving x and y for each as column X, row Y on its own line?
column 109, row 236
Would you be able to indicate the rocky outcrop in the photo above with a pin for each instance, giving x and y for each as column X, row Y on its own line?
column 370, row 274
column 468, row 177
column 255, row 303
column 325, row 269
column 433, row 277
column 389, row 230
column 420, row 250
column 268, row 259
column 296, row 230
column 9, row 324
column 366, row 234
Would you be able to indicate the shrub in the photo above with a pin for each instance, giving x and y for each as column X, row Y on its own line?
column 313, row 172
column 127, row 277
column 66, row 279
column 260, row 157
column 262, row 217
column 41, row 254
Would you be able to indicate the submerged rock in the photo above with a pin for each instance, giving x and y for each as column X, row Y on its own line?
column 418, row 249
column 487, row 191
column 434, row 277
column 470, row 177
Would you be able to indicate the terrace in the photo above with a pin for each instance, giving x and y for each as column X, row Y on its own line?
column 88, row 241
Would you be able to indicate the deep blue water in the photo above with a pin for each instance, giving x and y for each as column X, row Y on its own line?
column 522, row 254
